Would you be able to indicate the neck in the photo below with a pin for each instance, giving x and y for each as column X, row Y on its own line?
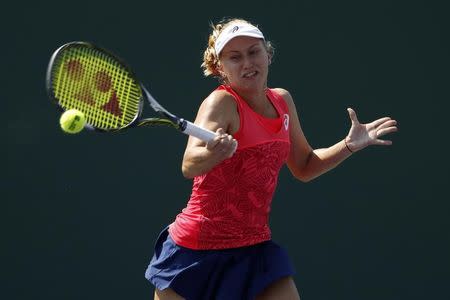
column 258, row 102
column 255, row 98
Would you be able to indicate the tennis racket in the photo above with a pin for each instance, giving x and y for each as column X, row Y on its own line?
column 86, row 77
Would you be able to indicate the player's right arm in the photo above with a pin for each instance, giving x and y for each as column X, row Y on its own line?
column 218, row 113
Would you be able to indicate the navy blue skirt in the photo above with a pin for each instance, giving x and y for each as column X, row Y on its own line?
column 238, row 273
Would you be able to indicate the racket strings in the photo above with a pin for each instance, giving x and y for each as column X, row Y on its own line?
column 95, row 83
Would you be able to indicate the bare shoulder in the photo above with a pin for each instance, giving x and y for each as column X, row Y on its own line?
column 219, row 99
column 219, row 110
column 286, row 96
column 281, row 91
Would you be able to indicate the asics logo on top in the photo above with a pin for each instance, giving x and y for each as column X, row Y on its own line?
column 286, row 121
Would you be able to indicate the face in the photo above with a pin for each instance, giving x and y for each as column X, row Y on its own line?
column 244, row 63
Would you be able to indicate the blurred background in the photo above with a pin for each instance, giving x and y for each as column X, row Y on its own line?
column 81, row 212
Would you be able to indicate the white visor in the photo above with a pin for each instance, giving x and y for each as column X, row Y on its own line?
column 234, row 30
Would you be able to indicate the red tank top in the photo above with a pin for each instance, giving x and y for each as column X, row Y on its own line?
column 229, row 206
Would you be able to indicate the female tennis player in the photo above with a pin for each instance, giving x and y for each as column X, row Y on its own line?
column 219, row 246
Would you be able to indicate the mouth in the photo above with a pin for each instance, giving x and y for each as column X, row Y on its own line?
column 250, row 74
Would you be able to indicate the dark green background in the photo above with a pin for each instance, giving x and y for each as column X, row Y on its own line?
column 82, row 212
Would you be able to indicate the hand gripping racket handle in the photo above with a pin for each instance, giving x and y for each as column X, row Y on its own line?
column 194, row 130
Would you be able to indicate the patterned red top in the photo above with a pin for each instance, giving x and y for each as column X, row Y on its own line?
column 229, row 206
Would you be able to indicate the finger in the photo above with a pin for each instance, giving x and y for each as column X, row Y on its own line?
column 389, row 123
column 227, row 144
column 225, row 139
column 382, row 142
column 216, row 140
column 385, row 131
column 221, row 133
column 380, row 121
column 352, row 115
column 223, row 142
column 213, row 143
column 234, row 145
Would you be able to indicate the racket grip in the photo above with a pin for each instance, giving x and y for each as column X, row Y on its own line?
column 197, row 131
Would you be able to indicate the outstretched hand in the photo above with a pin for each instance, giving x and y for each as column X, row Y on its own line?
column 363, row 135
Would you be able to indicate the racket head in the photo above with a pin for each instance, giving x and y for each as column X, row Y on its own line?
column 83, row 76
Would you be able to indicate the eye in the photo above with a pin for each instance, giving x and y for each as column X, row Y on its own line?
column 254, row 51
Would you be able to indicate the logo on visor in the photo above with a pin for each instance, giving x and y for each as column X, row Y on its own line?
column 235, row 28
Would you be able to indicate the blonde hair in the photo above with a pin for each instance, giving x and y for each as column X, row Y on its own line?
column 210, row 63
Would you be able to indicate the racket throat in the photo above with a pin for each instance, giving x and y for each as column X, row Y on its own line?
column 182, row 124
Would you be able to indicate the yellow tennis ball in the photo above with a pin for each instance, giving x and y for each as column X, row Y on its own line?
column 72, row 121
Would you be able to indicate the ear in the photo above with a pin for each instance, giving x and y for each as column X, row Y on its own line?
column 221, row 73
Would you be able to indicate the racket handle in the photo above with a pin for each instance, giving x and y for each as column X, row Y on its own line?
column 199, row 132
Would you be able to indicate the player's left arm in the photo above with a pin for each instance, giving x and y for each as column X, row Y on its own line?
column 306, row 163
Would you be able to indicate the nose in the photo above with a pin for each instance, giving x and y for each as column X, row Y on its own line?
column 247, row 62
